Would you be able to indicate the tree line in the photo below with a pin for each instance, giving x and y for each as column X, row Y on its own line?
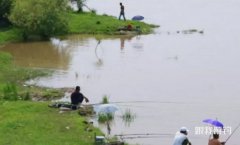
column 44, row 18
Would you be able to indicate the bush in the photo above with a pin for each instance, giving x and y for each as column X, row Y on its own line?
column 40, row 17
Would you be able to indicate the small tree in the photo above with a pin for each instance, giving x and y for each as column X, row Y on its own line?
column 80, row 4
column 40, row 17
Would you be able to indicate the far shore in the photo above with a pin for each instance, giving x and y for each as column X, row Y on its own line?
column 84, row 23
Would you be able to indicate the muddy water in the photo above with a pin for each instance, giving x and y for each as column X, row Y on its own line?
column 188, row 77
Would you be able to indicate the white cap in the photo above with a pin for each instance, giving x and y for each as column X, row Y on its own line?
column 183, row 129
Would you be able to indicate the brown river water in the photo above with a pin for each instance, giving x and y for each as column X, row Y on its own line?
column 179, row 79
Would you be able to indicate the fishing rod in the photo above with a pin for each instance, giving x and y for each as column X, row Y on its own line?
column 148, row 135
column 232, row 132
column 162, row 134
column 122, row 102
column 93, row 104
column 88, row 8
column 140, row 136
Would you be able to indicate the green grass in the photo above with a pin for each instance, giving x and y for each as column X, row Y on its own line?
column 89, row 23
column 5, row 63
column 105, row 99
column 10, row 73
column 105, row 117
column 33, row 123
column 14, row 75
column 82, row 23
column 10, row 34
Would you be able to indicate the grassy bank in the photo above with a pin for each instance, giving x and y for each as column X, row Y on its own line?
column 12, row 82
column 33, row 123
column 90, row 23
column 82, row 23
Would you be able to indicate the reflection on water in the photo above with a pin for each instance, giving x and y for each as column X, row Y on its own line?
column 99, row 62
column 123, row 39
column 138, row 44
column 184, row 82
column 57, row 54
column 128, row 117
column 54, row 54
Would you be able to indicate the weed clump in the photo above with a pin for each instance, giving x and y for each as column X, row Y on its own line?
column 10, row 92
column 105, row 117
column 105, row 99
column 128, row 117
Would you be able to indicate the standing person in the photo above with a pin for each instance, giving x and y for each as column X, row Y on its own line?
column 181, row 137
column 215, row 141
column 122, row 13
column 77, row 97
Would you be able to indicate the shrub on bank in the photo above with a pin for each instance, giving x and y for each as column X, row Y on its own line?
column 40, row 17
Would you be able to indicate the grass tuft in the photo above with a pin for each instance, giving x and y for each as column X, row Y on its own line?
column 105, row 117
column 105, row 99
column 128, row 117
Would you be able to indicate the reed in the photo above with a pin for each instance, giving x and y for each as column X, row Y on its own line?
column 128, row 117
column 105, row 117
column 105, row 99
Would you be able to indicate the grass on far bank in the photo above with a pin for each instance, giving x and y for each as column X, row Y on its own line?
column 10, row 34
column 34, row 123
column 82, row 23
column 90, row 23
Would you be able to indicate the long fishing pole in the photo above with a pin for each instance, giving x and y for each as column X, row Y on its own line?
column 88, row 7
column 133, row 137
column 232, row 132
column 137, row 102
column 162, row 134
column 142, row 135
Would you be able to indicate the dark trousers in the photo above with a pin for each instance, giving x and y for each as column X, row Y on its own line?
column 122, row 14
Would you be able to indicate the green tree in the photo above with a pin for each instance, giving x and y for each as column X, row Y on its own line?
column 40, row 17
column 5, row 7
column 80, row 4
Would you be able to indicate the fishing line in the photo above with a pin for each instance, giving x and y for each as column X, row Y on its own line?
column 232, row 132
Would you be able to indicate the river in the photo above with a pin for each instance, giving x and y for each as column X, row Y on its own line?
column 178, row 78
